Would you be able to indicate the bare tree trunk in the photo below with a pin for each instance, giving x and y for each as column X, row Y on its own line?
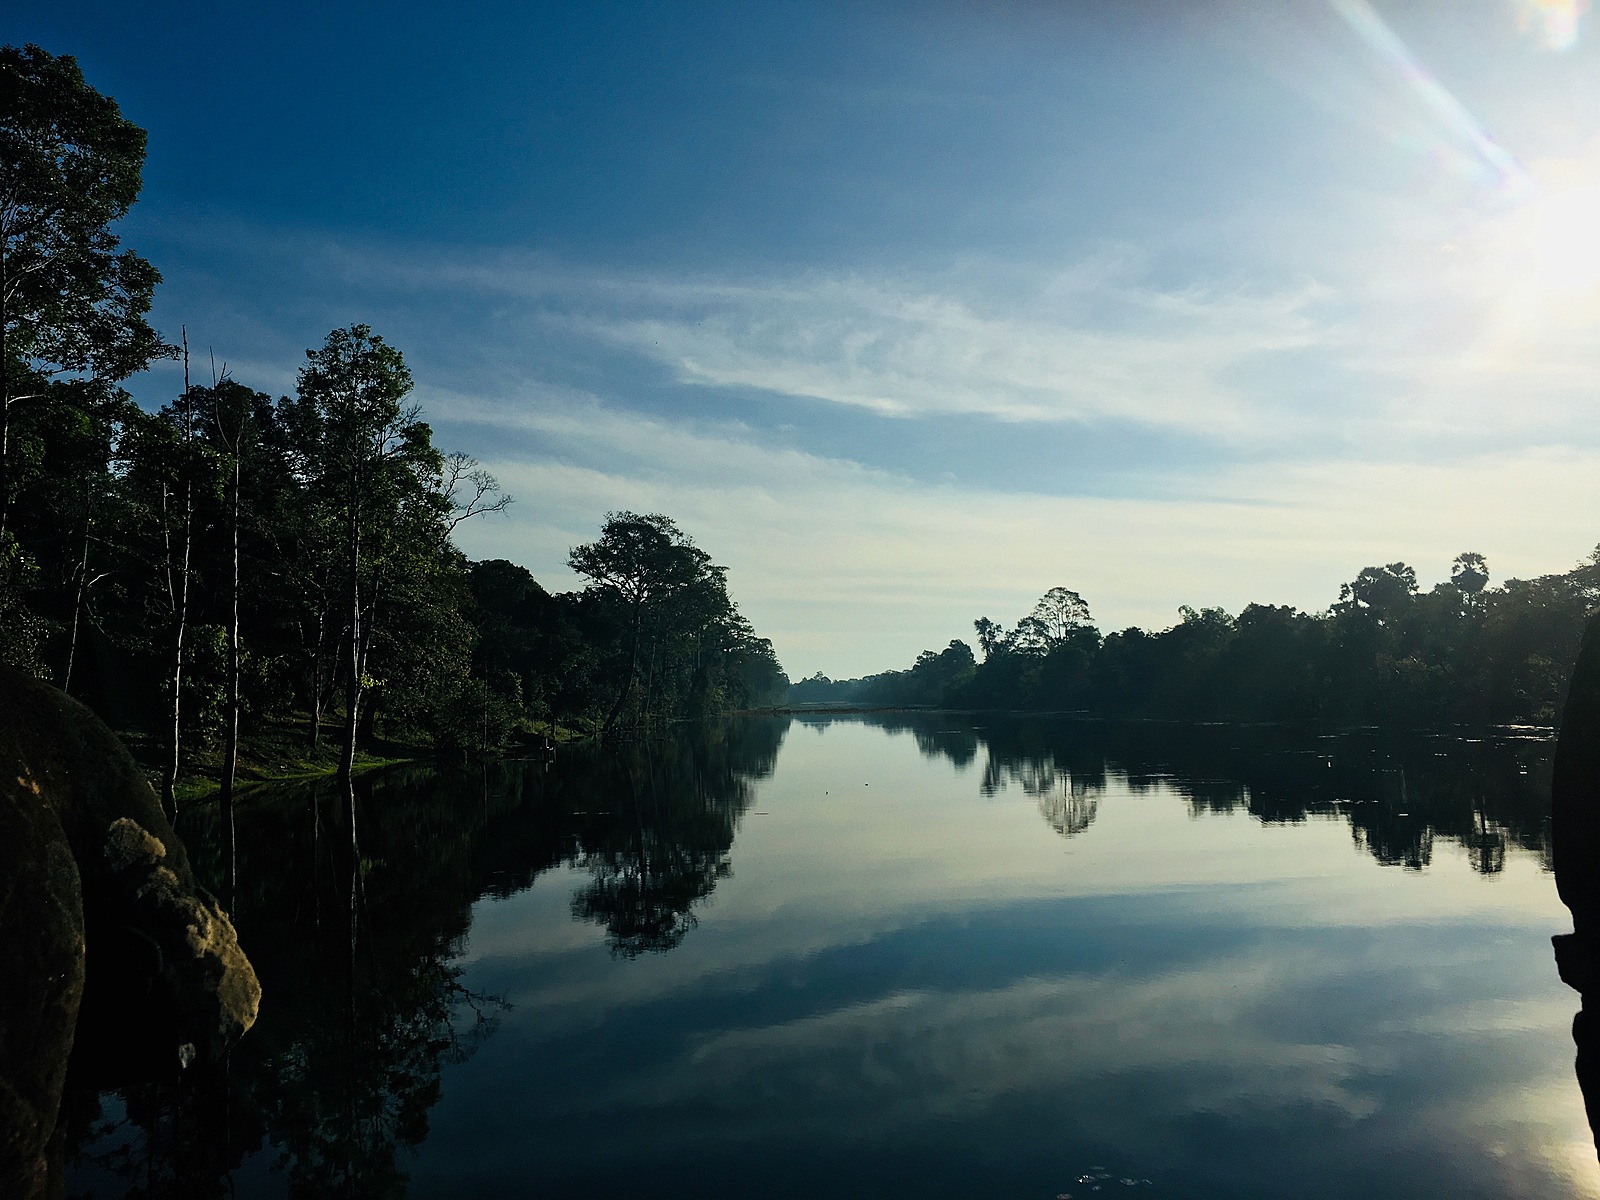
column 230, row 750
column 179, row 593
column 353, row 680
column 5, row 447
column 650, row 680
column 77, row 606
column 316, row 680
column 5, row 399
column 352, row 698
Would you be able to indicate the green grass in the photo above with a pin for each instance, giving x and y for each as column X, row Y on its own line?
column 278, row 750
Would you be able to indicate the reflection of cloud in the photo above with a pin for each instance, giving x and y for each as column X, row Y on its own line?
column 911, row 1056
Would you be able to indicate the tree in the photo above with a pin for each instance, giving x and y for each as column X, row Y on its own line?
column 991, row 636
column 364, row 456
column 232, row 422
column 640, row 564
column 1059, row 614
column 1384, row 591
column 71, row 302
column 168, row 473
column 1470, row 573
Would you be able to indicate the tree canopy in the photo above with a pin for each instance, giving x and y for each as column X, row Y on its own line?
column 1382, row 653
column 72, row 301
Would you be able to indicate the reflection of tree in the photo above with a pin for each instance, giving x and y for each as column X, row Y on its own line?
column 673, row 814
column 343, row 1099
column 643, row 896
column 1398, row 793
column 179, row 1138
column 1069, row 812
column 363, row 1005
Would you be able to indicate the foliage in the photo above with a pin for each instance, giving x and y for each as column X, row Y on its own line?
column 676, row 645
column 1383, row 653
column 72, row 302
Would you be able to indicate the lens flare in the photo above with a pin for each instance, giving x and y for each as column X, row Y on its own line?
column 1451, row 113
column 1555, row 22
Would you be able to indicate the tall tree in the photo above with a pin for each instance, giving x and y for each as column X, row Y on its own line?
column 71, row 301
column 641, row 564
column 168, row 473
column 364, row 455
column 1059, row 614
column 232, row 420
column 1470, row 573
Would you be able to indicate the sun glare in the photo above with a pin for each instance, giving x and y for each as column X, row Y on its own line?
column 1560, row 234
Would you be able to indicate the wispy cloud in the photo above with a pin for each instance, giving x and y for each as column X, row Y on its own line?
column 1154, row 358
column 851, row 569
column 1331, row 426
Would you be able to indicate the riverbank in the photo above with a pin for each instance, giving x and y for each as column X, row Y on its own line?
column 279, row 750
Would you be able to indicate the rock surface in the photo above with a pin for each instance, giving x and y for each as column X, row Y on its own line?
column 104, row 926
column 41, row 980
column 1575, row 854
column 1575, row 792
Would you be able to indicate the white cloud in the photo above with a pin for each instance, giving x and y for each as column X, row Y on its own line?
column 1395, row 415
column 852, row 570
column 1153, row 358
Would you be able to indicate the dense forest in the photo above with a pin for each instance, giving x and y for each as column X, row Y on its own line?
column 1383, row 653
column 236, row 560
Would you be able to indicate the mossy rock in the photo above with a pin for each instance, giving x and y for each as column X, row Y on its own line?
column 108, row 936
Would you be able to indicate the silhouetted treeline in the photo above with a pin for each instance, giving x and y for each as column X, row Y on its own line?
column 1383, row 653
column 236, row 556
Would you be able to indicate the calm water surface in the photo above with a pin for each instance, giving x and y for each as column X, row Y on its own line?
column 922, row 956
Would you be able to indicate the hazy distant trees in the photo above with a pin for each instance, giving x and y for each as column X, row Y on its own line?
column 1469, row 573
column 1382, row 653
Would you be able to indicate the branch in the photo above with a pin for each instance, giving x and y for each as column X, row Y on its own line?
column 470, row 490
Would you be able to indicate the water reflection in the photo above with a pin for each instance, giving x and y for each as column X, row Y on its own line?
column 663, row 843
column 901, row 989
column 1397, row 793
column 365, row 1005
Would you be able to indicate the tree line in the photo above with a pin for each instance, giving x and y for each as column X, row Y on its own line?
column 1384, row 652
column 236, row 557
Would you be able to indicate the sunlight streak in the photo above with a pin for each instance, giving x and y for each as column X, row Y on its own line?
column 1503, row 166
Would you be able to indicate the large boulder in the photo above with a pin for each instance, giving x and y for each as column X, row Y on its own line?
column 41, row 980
column 99, row 905
column 1575, row 854
column 1575, row 791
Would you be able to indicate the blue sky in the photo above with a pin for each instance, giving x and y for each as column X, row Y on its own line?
column 910, row 312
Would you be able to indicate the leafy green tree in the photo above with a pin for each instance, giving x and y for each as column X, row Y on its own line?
column 1469, row 572
column 365, row 458
column 72, row 302
column 1382, row 591
column 644, row 566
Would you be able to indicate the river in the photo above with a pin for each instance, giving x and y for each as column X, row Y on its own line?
column 896, row 955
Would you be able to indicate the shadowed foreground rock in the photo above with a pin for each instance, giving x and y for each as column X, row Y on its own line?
column 107, row 937
column 1575, row 850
